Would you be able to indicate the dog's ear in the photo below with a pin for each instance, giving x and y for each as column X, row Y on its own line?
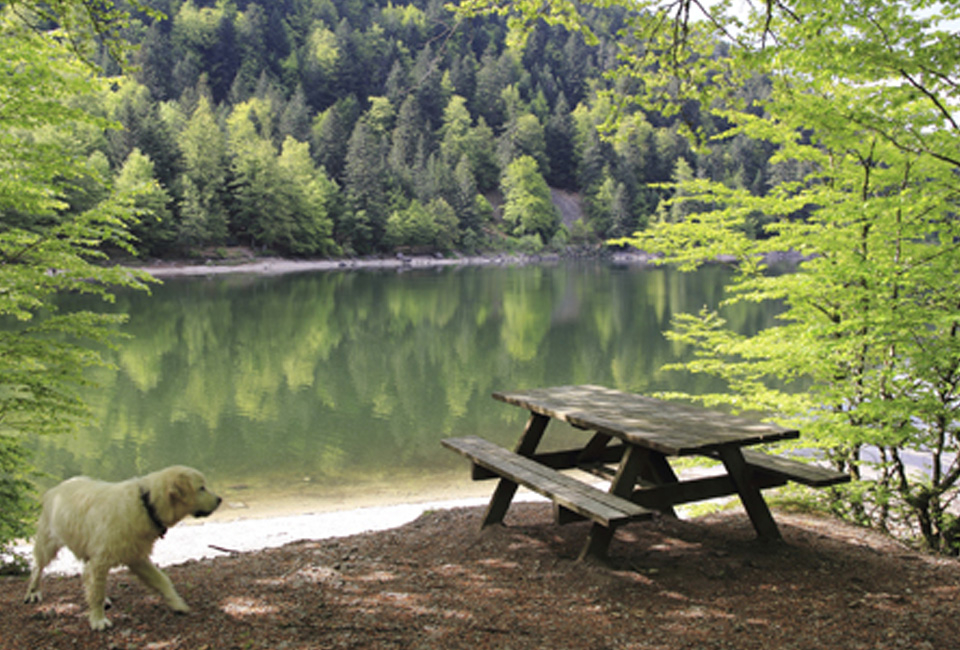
column 180, row 489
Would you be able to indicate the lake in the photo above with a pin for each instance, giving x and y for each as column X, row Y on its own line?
column 326, row 390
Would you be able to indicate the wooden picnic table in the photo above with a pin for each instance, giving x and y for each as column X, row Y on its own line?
column 632, row 438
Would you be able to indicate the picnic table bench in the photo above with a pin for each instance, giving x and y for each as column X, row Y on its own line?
column 632, row 437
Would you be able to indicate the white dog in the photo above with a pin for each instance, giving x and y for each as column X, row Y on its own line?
column 109, row 524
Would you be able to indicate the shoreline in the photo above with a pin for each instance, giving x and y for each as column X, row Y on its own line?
column 237, row 528
column 250, row 264
column 192, row 539
column 279, row 265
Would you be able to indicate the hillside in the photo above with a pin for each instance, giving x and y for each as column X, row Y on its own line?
column 333, row 128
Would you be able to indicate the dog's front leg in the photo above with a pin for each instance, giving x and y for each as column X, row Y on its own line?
column 157, row 580
column 95, row 585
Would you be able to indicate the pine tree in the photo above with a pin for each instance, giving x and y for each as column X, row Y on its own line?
column 364, row 191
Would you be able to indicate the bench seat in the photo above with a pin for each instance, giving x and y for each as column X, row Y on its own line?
column 794, row 470
column 602, row 507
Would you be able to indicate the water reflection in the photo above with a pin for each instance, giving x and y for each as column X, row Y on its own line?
column 346, row 381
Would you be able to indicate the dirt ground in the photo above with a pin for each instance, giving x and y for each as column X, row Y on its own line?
column 438, row 582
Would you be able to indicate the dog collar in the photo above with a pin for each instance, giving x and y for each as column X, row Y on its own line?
column 152, row 512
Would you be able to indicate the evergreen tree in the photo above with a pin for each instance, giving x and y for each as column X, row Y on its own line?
column 331, row 134
column 222, row 57
column 492, row 78
column 154, row 60
column 464, row 200
column 144, row 129
column 559, row 136
column 404, row 141
column 251, row 27
column 426, row 79
column 295, row 119
column 364, row 191
column 483, row 157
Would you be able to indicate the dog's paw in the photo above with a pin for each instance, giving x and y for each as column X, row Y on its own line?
column 99, row 622
column 180, row 607
column 33, row 597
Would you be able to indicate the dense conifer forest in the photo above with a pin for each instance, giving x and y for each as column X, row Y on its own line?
column 357, row 127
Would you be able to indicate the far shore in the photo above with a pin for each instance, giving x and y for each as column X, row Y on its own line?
column 278, row 265
column 246, row 262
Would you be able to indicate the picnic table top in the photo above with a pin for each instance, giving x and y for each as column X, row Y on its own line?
column 667, row 427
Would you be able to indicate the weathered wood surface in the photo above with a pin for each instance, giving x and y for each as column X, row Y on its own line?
column 581, row 498
column 666, row 427
column 795, row 470
column 594, row 462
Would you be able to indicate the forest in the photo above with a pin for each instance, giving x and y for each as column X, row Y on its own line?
column 339, row 127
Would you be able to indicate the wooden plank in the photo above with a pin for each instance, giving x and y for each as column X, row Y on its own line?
column 506, row 489
column 564, row 459
column 663, row 497
column 598, row 541
column 749, row 492
column 670, row 428
column 654, row 469
column 563, row 489
column 566, row 491
column 794, row 470
column 526, row 472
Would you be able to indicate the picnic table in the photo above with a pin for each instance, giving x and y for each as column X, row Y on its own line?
column 633, row 436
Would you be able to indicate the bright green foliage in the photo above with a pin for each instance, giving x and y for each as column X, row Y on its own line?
column 423, row 228
column 257, row 182
column 56, row 217
column 527, row 207
column 154, row 227
column 863, row 110
column 311, row 197
column 204, row 149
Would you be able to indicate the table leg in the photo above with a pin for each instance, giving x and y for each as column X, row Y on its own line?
column 622, row 485
column 656, row 470
column 506, row 489
column 595, row 448
column 750, row 495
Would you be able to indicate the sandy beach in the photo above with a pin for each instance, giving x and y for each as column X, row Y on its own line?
column 268, row 520
column 227, row 533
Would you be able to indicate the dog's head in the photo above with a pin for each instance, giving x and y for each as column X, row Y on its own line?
column 179, row 491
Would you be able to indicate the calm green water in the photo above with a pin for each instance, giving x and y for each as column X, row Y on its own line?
column 346, row 381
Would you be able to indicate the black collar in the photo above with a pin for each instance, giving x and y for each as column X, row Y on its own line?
column 152, row 512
